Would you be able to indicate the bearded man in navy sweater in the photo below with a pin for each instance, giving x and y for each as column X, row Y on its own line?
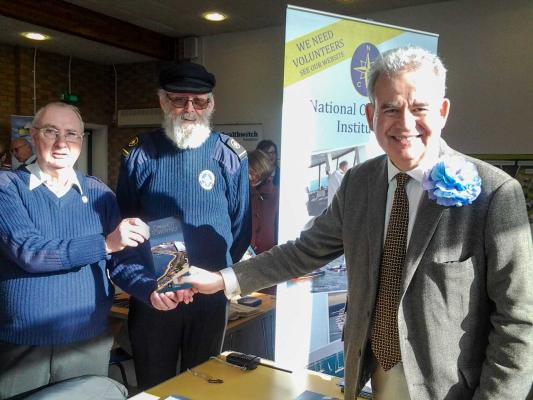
column 60, row 233
column 187, row 171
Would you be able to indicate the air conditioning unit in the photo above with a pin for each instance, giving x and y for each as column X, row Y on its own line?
column 142, row 117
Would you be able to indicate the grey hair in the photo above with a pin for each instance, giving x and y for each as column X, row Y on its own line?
column 59, row 104
column 402, row 59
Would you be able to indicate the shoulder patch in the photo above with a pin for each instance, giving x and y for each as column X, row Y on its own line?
column 237, row 148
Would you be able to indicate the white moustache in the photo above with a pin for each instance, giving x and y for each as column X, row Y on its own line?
column 188, row 117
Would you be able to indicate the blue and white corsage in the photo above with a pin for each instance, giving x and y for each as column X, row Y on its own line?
column 453, row 182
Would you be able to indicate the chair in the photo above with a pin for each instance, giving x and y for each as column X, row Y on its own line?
column 117, row 357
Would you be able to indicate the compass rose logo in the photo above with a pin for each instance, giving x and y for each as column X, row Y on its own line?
column 362, row 59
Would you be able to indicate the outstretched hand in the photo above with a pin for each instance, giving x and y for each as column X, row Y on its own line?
column 170, row 300
column 130, row 232
column 203, row 281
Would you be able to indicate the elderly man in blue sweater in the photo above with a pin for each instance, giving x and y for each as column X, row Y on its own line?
column 187, row 171
column 58, row 229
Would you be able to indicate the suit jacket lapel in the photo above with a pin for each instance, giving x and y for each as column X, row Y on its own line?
column 377, row 201
column 426, row 222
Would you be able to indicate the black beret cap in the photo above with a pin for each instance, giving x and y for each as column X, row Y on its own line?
column 186, row 77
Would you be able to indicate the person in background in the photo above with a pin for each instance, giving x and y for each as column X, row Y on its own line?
column 270, row 148
column 5, row 163
column 187, row 171
column 60, row 232
column 335, row 179
column 264, row 198
column 438, row 252
column 22, row 150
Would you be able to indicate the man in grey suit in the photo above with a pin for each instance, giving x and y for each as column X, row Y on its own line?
column 463, row 318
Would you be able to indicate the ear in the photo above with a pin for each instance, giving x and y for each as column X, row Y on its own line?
column 162, row 103
column 444, row 111
column 369, row 112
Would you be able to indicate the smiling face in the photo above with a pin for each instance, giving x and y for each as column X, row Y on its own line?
column 408, row 116
column 56, row 154
column 187, row 117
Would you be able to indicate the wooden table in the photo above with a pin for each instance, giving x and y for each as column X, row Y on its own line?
column 260, row 384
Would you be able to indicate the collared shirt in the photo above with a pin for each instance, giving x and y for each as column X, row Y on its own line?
column 413, row 189
column 38, row 178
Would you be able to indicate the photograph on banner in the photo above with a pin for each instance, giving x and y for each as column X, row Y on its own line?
column 324, row 132
column 248, row 135
column 22, row 151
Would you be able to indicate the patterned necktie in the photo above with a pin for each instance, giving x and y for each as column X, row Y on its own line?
column 384, row 341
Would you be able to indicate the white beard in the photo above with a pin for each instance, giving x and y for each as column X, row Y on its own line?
column 186, row 135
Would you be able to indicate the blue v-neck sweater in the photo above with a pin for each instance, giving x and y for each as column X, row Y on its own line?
column 53, row 280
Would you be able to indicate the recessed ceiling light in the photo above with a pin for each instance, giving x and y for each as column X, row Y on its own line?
column 214, row 16
column 35, row 36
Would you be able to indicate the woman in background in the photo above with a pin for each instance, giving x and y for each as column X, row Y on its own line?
column 264, row 199
column 271, row 150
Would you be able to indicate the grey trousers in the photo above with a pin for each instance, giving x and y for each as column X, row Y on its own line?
column 24, row 368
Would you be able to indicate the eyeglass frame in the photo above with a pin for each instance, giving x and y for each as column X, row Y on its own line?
column 188, row 99
column 76, row 137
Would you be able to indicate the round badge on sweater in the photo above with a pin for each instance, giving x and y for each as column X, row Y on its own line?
column 206, row 179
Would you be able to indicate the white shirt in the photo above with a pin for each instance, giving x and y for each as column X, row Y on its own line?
column 38, row 178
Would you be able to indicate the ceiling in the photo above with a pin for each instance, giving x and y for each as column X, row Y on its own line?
column 124, row 31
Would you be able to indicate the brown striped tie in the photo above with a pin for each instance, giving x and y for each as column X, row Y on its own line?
column 384, row 341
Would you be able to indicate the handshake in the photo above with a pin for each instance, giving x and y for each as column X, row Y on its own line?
column 179, row 283
column 188, row 283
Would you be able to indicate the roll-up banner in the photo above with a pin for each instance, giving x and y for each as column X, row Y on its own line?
column 327, row 58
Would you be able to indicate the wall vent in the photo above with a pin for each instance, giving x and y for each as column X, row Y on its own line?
column 139, row 117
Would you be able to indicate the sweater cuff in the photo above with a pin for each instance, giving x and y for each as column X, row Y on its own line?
column 86, row 250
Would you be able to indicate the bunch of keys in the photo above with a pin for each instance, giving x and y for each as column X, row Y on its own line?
column 205, row 377
column 178, row 266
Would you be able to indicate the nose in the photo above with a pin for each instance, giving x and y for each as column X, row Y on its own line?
column 189, row 107
column 408, row 120
column 60, row 141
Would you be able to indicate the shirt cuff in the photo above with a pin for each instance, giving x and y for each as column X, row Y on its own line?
column 231, row 284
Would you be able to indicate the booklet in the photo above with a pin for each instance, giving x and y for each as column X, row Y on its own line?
column 169, row 253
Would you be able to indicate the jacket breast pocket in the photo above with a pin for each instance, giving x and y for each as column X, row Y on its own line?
column 452, row 286
column 452, row 269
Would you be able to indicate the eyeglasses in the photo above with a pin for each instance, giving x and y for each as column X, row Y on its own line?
column 181, row 102
column 51, row 133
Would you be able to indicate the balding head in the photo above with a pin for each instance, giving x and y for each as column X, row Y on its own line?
column 21, row 149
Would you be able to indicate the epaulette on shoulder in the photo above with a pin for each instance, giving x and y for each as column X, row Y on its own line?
column 133, row 143
column 236, row 148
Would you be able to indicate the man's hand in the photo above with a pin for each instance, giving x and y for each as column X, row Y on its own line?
column 130, row 232
column 170, row 300
column 203, row 281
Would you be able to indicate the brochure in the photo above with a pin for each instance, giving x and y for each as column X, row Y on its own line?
column 169, row 253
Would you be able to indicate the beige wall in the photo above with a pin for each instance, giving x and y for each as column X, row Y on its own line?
column 249, row 71
column 487, row 47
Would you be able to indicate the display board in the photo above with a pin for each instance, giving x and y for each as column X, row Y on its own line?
column 327, row 58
